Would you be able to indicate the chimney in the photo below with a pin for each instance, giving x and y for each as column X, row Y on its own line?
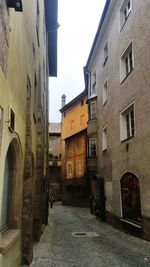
column 63, row 101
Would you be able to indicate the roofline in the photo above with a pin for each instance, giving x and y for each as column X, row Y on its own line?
column 51, row 17
column 74, row 101
column 98, row 30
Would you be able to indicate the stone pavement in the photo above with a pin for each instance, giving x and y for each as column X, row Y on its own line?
column 109, row 247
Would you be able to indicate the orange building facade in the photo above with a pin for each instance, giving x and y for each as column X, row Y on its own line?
column 74, row 152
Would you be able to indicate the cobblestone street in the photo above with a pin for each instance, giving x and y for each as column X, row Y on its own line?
column 102, row 246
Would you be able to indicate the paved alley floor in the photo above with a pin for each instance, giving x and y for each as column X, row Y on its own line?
column 102, row 246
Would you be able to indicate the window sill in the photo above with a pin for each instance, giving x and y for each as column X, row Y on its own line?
column 126, row 76
column 125, row 21
column 92, row 119
column 104, row 103
column 8, row 238
column 137, row 225
column 126, row 139
column 104, row 63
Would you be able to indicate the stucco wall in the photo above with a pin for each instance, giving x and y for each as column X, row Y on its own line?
column 75, row 119
column 133, row 154
column 13, row 257
column 23, row 59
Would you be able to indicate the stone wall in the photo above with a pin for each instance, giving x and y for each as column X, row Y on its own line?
column 27, row 209
column 4, row 30
column 40, row 190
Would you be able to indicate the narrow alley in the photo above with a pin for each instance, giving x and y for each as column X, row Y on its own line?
column 75, row 238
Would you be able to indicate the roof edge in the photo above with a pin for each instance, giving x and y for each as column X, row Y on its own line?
column 78, row 98
column 98, row 30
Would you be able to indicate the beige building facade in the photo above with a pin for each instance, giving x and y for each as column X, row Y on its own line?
column 55, row 185
column 117, row 77
column 24, row 70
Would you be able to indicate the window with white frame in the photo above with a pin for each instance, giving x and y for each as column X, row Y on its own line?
column 69, row 169
column 127, row 122
column 92, row 106
column 105, row 92
column 92, row 148
column 105, row 53
column 127, row 62
column 104, row 138
column 125, row 11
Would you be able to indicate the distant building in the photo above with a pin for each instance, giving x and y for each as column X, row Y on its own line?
column 118, row 78
column 28, row 56
column 55, row 160
column 74, row 151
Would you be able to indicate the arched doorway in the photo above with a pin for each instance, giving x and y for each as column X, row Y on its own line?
column 130, row 194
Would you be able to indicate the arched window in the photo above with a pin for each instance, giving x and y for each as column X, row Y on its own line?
column 7, row 190
column 130, row 193
column 10, row 216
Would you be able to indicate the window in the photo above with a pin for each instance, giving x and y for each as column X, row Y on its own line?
column 94, row 81
column 92, row 106
column 17, row 5
column 69, row 146
column 88, row 83
column 79, row 143
column 79, row 167
column 105, row 53
column 11, row 119
column 92, row 148
column 104, row 138
column 82, row 119
column 125, row 12
column 127, row 62
column 130, row 194
column 7, row 190
column 72, row 124
column 38, row 23
column 69, row 170
column 105, row 92
column 127, row 123
column 33, row 49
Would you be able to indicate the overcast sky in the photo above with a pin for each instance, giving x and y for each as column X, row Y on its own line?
column 78, row 21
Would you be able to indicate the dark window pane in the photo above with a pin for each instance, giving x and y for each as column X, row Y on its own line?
column 130, row 192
